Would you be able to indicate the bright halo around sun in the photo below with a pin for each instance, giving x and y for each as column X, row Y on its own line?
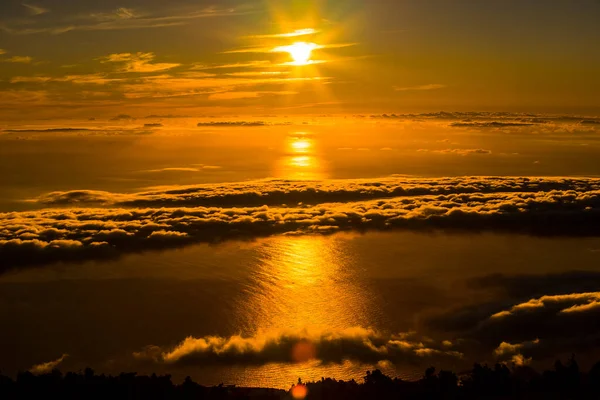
column 301, row 52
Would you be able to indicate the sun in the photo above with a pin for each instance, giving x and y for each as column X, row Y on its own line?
column 300, row 52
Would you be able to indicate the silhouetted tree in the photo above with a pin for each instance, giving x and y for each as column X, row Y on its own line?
column 565, row 381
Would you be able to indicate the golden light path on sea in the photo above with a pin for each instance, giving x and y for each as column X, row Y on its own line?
column 301, row 159
column 304, row 283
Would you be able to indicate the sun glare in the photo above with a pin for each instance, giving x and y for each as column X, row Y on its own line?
column 300, row 52
column 301, row 145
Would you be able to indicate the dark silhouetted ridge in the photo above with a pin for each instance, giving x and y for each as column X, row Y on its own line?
column 564, row 381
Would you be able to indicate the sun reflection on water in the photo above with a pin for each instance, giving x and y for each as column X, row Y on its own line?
column 301, row 160
column 304, row 283
column 301, row 145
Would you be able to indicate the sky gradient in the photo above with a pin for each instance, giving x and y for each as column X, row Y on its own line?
column 89, row 59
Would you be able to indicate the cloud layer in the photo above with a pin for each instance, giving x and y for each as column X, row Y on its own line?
column 286, row 192
column 336, row 346
column 209, row 213
column 522, row 324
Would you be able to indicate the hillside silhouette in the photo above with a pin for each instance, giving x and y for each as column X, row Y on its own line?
column 564, row 381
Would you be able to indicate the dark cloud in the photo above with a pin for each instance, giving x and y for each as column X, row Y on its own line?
column 122, row 117
column 174, row 169
column 336, row 346
column 227, row 124
column 534, row 317
column 491, row 124
column 165, row 116
column 523, row 286
column 49, row 130
column 512, row 352
column 460, row 152
column 231, row 124
column 563, row 323
column 76, row 131
column 443, row 115
column 153, row 125
column 493, row 119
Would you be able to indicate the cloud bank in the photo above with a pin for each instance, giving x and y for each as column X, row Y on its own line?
column 287, row 192
column 535, row 317
column 35, row 9
column 176, row 217
column 531, row 330
column 287, row 346
column 491, row 120
column 538, row 329
column 568, row 303
column 492, row 124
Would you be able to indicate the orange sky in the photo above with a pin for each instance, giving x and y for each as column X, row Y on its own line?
column 89, row 59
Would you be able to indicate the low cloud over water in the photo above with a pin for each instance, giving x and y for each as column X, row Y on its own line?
column 178, row 216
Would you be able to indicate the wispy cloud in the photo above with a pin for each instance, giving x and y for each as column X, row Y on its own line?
column 163, row 86
column 296, row 33
column 2, row 51
column 35, row 10
column 173, row 169
column 47, row 367
column 94, row 79
column 431, row 86
column 20, row 59
column 31, row 79
column 185, row 81
column 250, row 64
column 259, row 73
column 460, row 152
column 17, row 98
column 337, row 45
column 283, row 49
column 122, row 19
column 246, row 95
column 119, row 13
column 138, row 62
column 194, row 168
